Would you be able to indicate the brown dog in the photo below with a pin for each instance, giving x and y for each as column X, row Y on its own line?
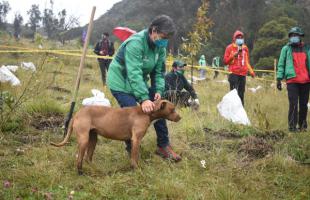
column 114, row 123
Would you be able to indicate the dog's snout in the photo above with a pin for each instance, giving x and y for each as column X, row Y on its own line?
column 178, row 118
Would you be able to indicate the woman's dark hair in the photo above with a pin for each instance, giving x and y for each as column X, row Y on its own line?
column 163, row 24
column 106, row 34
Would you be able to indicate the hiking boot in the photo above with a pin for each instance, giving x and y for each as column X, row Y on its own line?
column 168, row 153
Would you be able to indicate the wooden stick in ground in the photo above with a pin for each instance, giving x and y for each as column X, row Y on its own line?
column 78, row 79
column 275, row 74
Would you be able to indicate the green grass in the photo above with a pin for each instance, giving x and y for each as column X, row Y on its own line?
column 35, row 169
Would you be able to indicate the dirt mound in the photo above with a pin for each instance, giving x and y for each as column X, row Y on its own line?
column 224, row 134
column 275, row 135
column 52, row 121
column 255, row 148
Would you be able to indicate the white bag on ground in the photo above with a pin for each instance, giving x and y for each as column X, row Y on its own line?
column 28, row 66
column 98, row 99
column 12, row 68
column 7, row 76
column 231, row 108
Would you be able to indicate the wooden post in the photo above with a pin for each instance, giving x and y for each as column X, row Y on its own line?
column 275, row 73
column 78, row 79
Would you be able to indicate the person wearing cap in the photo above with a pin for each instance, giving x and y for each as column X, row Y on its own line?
column 294, row 67
column 104, row 48
column 140, row 58
column 175, row 83
column 202, row 63
column 237, row 58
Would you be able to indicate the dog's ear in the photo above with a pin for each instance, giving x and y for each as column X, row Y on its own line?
column 163, row 105
column 160, row 104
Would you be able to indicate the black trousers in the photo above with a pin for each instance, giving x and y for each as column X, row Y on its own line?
column 237, row 82
column 104, row 66
column 298, row 94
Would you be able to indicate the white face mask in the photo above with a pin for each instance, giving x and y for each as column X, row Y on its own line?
column 240, row 41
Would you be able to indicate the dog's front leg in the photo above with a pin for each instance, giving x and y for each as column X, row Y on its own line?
column 135, row 145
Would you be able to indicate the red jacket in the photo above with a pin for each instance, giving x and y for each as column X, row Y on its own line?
column 239, row 65
column 300, row 66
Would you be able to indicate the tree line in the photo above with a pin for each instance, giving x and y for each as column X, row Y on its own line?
column 55, row 24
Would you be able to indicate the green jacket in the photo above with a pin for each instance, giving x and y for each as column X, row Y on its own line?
column 202, row 61
column 137, row 61
column 285, row 68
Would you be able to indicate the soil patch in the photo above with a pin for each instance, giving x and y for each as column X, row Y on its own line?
column 224, row 134
column 275, row 136
column 52, row 121
column 255, row 148
column 59, row 89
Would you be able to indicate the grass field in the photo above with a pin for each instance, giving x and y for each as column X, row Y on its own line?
column 263, row 161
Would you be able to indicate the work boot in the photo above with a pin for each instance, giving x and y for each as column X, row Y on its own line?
column 168, row 153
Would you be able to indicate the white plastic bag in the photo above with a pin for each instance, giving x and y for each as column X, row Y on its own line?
column 28, row 66
column 7, row 76
column 97, row 99
column 12, row 68
column 254, row 90
column 231, row 108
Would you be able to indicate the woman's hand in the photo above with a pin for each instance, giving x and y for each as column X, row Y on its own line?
column 147, row 106
column 157, row 96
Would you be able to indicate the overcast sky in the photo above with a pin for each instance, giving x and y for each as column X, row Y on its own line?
column 78, row 8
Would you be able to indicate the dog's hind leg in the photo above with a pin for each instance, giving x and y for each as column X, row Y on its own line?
column 93, row 137
column 83, row 144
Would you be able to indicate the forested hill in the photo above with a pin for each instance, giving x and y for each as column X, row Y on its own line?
column 264, row 22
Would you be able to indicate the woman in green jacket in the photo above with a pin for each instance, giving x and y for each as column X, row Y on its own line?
column 294, row 67
column 142, row 57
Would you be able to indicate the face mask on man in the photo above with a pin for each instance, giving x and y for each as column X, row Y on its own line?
column 180, row 71
column 240, row 41
column 294, row 39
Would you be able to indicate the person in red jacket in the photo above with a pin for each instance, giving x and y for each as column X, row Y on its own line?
column 294, row 67
column 237, row 58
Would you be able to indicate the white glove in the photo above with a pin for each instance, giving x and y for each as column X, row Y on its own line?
column 197, row 101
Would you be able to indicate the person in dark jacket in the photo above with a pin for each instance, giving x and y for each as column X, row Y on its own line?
column 104, row 48
column 139, row 59
column 175, row 83
column 294, row 67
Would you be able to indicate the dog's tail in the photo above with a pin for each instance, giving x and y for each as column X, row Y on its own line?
column 65, row 141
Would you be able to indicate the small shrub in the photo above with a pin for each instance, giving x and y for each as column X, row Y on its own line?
column 299, row 148
column 12, row 125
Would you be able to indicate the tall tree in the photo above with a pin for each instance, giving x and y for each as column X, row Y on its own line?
column 49, row 21
column 18, row 20
column 271, row 37
column 34, row 18
column 200, row 33
column 4, row 9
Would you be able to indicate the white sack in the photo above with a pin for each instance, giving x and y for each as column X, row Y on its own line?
column 7, row 76
column 231, row 108
column 12, row 68
column 28, row 66
column 254, row 90
column 97, row 99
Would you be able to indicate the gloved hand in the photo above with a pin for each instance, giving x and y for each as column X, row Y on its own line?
column 252, row 74
column 197, row 101
column 279, row 85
